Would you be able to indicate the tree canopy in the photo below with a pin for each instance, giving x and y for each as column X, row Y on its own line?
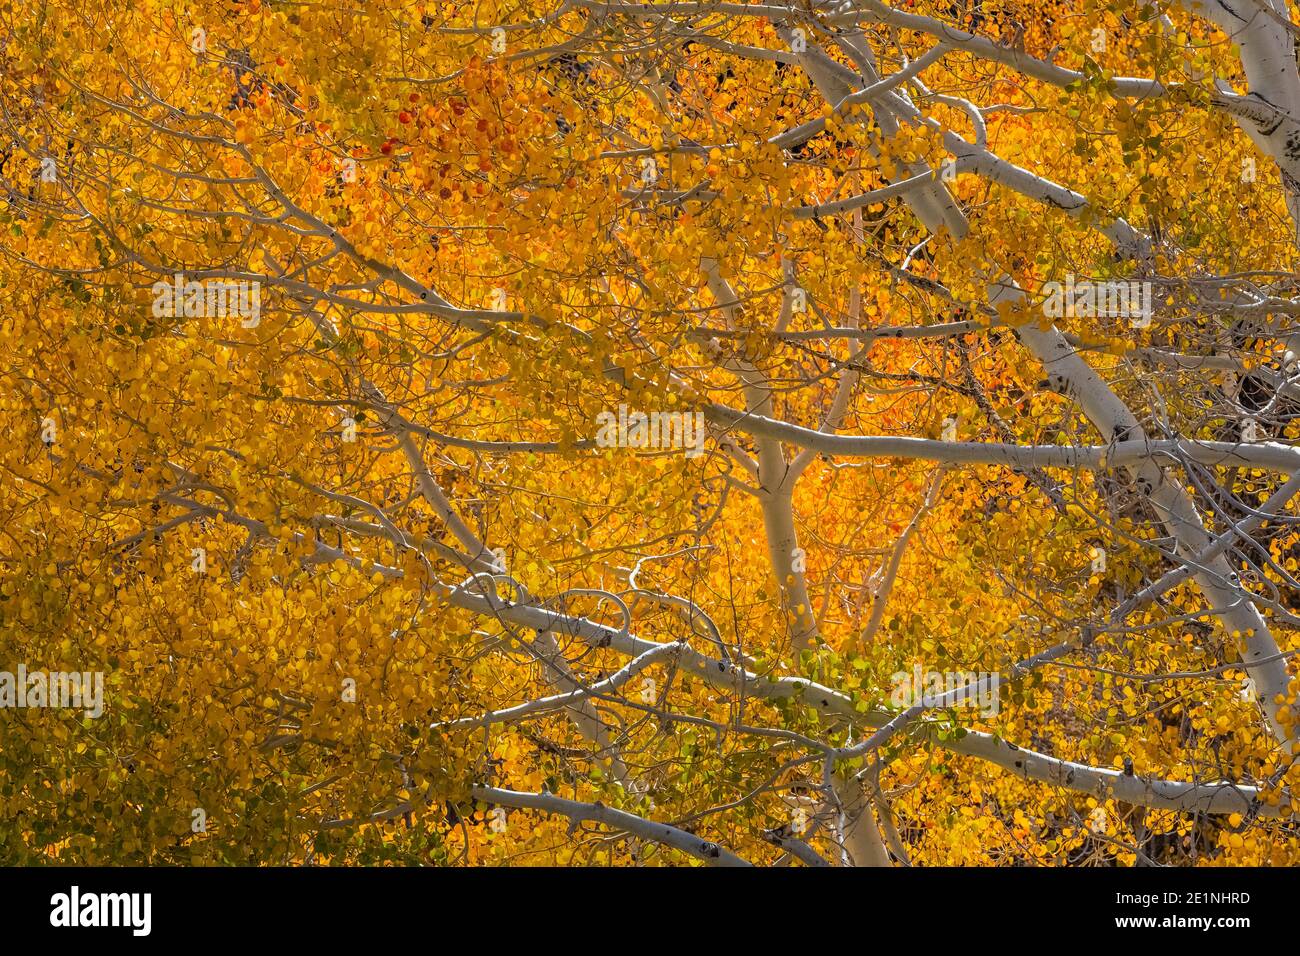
column 586, row 432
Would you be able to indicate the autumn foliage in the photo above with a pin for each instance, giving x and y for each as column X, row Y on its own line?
column 363, row 585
